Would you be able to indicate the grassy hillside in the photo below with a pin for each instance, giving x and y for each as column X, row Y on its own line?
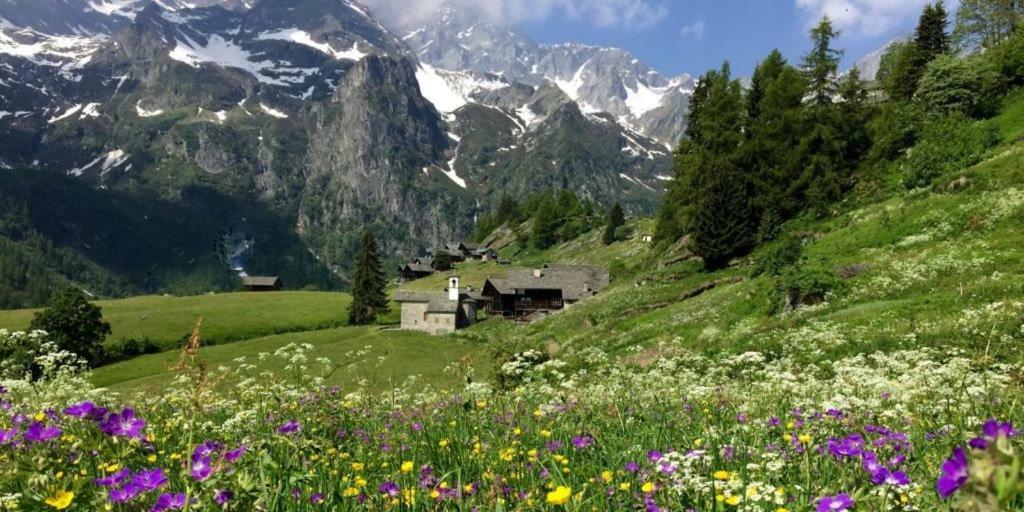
column 226, row 317
column 937, row 267
column 368, row 356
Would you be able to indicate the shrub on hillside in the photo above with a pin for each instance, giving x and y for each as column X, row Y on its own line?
column 74, row 324
column 129, row 348
column 800, row 286
column 896, row 128
column 779, row 257
column 947, row 145
column 968, row 86
column 1009, row 58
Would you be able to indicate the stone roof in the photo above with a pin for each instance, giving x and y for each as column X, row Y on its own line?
column 261, row 280
column 575, row 281
column 418, row 267
column 437, row 302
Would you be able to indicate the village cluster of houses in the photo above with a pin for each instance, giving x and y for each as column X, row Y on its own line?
column 524, row 295
column 424, row 266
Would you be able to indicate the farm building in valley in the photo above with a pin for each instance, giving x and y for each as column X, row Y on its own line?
column 262, row 283
column 529, row 293
column 439, row 312
column 418, row 268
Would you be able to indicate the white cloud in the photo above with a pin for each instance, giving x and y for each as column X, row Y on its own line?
column 694, row 30
column 631, row 14
column 865, row 17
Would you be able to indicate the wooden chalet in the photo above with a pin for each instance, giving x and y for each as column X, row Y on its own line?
column 418, row 268
column 262, row 283
column 530, row 293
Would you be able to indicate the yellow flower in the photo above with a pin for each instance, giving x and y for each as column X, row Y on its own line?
column 721, row 475
column 39, row 416
column 351, row 492
column 481, row 404
column 782, row 509
column 733, row 500
column 407, row 466
column 559, row 496
column 545, row 433
column 624, row 486
column 648, row 487
column 151, row 458
column 805, row 438
column 358, row 466
column 606, row 476
column 61, row 500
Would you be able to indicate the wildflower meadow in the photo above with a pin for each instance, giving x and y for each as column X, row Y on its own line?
column 910, row 430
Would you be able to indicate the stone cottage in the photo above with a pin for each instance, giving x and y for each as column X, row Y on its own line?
column 438, row 312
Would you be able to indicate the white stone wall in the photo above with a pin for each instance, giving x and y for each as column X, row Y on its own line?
column 416, row 318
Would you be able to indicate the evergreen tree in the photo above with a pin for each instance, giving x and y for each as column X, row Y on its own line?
column 546, row 221
column 822, row 63
column 369, row 297
column 616, row 219
column 722, row 227
column 715, row 128
column 854, row 113
column 74, row 324
column 930, row 41
column 774, row 124
column 822, row 152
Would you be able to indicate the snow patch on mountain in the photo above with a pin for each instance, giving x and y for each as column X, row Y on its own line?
column 451, row 90
column 146, row 113
column 273, row 112
column 304, row 38
column 70, row 112
column 222, row 52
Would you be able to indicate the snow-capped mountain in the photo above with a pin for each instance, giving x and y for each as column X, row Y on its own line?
column 310, row 109
column 599, row 79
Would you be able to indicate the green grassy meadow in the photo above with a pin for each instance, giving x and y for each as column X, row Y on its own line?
column 227, row 317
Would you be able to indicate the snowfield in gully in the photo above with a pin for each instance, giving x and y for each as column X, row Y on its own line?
column 911, row 430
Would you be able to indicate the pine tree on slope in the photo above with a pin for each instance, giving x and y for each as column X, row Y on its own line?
column 369, row 297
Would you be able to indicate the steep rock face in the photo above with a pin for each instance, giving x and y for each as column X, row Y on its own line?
column 370, row 159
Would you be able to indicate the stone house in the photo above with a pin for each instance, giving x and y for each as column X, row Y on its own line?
column 438, row 312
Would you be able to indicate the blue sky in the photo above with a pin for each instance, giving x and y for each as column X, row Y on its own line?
column 696, row 35
column 691, row 36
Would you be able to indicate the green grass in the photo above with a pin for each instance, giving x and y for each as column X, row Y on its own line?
column 227, row 317
column 377, row 359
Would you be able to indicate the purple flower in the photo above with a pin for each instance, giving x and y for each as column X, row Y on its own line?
column 235, row 454
column 289, row 428
column 123, row 494
column 113, row 480
column 80, row 410
column 632, row 467
column 173, row 501
column 390, row 488
column 149, row 479
column 886, row 477
column 205, row 449
column 222, row 496
column 581, row 442
column 851, row 446
column 201, row 468
column 317, row 498
column 837, row 503
column 6, row 436
column 123, row 424
column 954, row 473
column 39, row 433
column 991, row 432
column 653, row 455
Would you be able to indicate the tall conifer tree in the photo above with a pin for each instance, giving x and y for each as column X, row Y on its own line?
column 369, row 297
